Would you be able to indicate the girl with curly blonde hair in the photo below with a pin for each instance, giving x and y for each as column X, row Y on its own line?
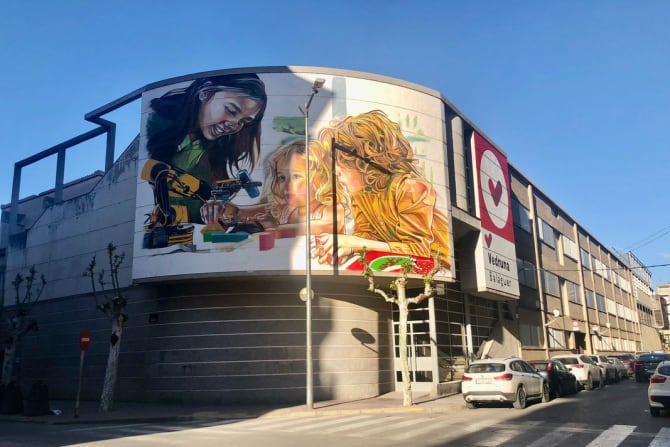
column 392, row 204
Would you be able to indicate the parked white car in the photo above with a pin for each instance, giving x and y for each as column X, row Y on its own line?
column 606, row 368
column 503, row 380
column 586, row 372
column 659, row 389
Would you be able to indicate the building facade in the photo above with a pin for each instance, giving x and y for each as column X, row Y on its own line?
column 206, row 205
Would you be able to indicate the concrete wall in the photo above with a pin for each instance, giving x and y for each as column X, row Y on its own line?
column 62, row 238
column 220, row 341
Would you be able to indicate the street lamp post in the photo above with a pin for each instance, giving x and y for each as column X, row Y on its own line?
column 306, row 294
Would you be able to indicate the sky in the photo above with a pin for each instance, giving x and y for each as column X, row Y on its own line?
column 575, row 92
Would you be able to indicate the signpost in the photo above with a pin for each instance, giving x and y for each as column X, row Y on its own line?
column 84, row 342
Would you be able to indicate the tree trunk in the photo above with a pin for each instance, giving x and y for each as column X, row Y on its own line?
column 402, row 336
column 107, row 397
column 9, row 363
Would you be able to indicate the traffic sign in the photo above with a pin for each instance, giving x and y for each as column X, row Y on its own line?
column 84, row 339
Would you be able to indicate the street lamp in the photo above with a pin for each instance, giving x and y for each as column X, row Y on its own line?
column 306, row 294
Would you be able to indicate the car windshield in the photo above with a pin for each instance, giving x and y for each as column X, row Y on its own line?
column 486, row 368
column 540, row 366
column 665, row 370
column 569, row 361
column 652, row 357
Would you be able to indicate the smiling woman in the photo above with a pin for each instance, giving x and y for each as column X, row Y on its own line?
column 209, row 128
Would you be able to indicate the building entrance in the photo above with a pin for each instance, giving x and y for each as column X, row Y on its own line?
column 419, row 354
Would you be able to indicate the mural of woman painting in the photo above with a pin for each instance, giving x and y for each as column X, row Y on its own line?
column 283, row 203
column 208, row 130
column 392, row 204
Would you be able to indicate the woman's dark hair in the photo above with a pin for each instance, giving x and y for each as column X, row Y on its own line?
column 175, row 115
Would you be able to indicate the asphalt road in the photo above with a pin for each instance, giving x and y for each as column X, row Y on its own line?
column 617, row 415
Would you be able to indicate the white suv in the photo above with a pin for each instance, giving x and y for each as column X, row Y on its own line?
column 503, row 380
column 659, row 389
column 583, row 368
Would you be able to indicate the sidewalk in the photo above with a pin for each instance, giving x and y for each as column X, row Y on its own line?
column 132, row 412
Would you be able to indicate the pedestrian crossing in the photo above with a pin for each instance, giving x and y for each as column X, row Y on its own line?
column 400, row 429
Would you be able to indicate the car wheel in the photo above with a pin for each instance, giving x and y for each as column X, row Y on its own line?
column 559, row 391
column 520, row 401
column 655, row 411
column 546, row 397
column 575, row 387
column 470, row 405
column 588, row 386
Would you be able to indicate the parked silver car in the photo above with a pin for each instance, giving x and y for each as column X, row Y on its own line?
column 606, row 368
column 621, row 370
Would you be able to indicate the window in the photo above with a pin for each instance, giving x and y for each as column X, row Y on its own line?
column 600, row 300
column 590, row 298
column 520, row 215
column 546, row 233
column 550, row 282
column 527, row 275
column 572, row 292
column 556, row 338
column 611, row 306
column 586, row 259
column 596, row 266
column 530, row 334
column 569, row 248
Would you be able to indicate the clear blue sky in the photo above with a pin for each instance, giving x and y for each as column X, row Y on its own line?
column 576, row 92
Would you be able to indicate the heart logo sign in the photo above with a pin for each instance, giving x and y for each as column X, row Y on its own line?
column 488, row 238
column 496, row 191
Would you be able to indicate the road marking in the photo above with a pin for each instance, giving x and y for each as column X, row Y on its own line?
column 388, row 422
column 613, row 436
column 662, row 439
column 339, row 421
column 555, row 437
column 351, row 426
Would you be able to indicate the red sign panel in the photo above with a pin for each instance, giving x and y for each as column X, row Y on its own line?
column 84, row 339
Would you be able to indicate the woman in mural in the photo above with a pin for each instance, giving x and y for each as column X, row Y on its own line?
column 393, row 206
column 283, row 203
column 207, row 130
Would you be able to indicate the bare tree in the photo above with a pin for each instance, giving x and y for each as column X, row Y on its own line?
column 19, row 322
column 398, row 296
column 110, row 301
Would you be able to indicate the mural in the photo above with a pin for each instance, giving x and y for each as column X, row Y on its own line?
column 219, row 198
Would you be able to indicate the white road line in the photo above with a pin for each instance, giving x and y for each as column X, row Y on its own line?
column 423, row 429
column 662, row 439
column 312, row 425
column 388, row 422
column 553, row 438
column 354, row 426
column 499, row 437
column 613, row 436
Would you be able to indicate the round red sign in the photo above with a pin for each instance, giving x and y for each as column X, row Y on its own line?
column 84, row 339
